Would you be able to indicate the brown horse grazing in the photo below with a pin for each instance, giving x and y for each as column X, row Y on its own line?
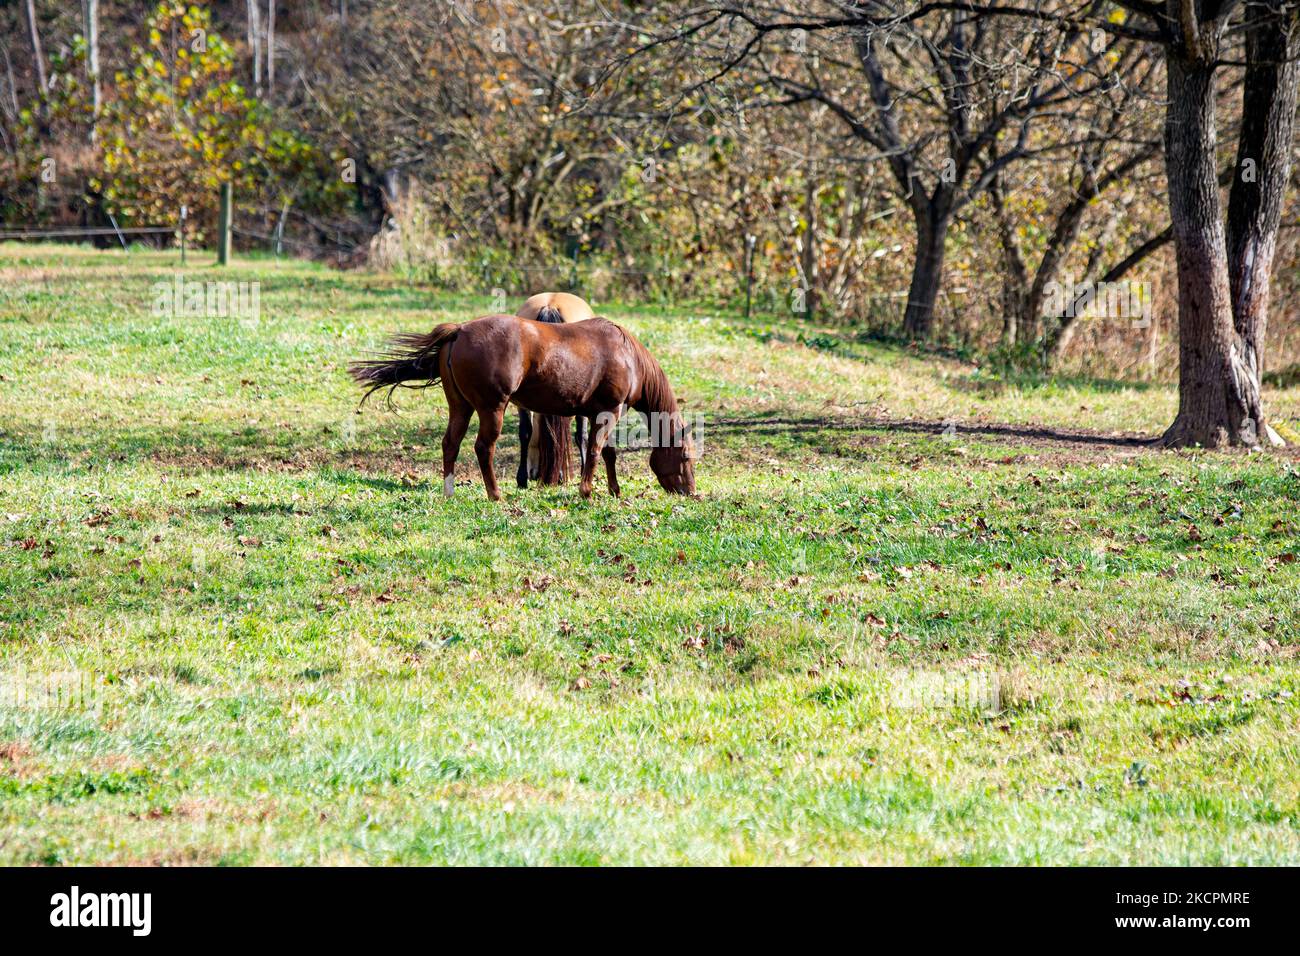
column 594, row 369
column 544, row 439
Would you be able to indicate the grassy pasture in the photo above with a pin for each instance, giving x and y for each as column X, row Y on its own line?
column 240, row 624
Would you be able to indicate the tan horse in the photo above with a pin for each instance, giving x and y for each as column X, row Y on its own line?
column 544, row 439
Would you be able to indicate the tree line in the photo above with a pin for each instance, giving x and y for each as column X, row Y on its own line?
column 937, row 171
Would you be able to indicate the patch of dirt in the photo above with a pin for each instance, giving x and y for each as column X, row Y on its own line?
column 15, row 759
column 409, row 467
column 181, row 856
column 506, row 793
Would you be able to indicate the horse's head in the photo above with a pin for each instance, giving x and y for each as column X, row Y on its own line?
column 673, row 461
column 672, row 449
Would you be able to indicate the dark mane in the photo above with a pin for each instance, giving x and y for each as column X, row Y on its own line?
column 656, row 393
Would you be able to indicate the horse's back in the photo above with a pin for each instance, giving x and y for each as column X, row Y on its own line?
column 597, row 331
column 549, row 368
column 518, row 346
column 594, row 358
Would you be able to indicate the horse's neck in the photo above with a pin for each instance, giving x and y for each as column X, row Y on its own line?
column 657, row 396
column 656, row 406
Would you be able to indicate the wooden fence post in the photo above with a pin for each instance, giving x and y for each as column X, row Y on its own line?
column 223, row 226
column 750, row 242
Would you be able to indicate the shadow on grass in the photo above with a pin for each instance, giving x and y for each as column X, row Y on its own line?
column 218, row 449
column 214, row 449
column 1033, row 434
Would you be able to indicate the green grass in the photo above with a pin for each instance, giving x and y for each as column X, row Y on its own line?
column 240, row 624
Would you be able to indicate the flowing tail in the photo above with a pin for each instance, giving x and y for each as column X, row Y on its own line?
column 410, row 356
column 553, row 449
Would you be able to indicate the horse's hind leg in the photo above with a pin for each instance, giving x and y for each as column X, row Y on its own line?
column 457, row 425
column 489, row 430
column 525, row 450
column 535, row 449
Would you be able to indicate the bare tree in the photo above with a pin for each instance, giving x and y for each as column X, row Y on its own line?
column 1115, row 143
column 931, row 91
column 1223, row 269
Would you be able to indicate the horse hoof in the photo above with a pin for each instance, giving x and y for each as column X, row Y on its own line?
column 449, row 485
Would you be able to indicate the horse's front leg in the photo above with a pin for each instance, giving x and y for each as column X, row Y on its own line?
column 601, row 427
column 489, row 430
column 525, row 439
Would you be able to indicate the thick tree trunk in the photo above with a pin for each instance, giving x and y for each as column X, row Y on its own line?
column 927, row 275
column 1218, row 390
column 1259, row 186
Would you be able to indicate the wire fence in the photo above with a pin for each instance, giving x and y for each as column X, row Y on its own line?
column 659, row 282
column 258, row 227
column 100, row 231
column 486, row 275
column 284, row 230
